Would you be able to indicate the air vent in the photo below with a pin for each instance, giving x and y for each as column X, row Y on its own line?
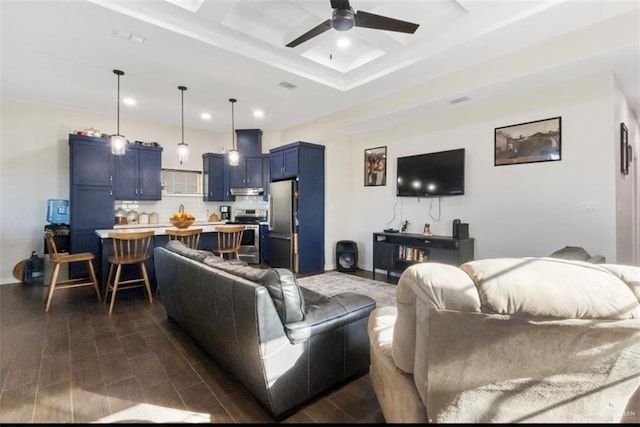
column 461, row 99
column 287, row 85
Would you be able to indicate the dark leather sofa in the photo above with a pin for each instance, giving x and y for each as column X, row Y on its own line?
column 285, row 344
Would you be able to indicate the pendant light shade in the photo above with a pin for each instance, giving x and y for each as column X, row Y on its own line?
column 234, row 155
column 118, row 142
column 183, row 149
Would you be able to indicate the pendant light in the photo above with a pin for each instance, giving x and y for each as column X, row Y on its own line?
column 234, row 156
column 183, row 149
column 118, row 142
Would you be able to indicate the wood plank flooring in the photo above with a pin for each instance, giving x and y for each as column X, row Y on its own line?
column 77, row 364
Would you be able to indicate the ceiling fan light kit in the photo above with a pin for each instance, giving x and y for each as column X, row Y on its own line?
column 344, row 18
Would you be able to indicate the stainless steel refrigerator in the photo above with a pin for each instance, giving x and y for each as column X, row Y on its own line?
column 283, row 224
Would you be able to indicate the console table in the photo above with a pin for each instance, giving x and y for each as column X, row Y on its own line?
column 394, row 252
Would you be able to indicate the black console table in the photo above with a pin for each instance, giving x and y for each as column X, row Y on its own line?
column 394, row 252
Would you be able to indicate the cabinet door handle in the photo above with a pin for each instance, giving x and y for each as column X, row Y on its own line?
column 110, row 193
column 110, row 178
column 141, row 191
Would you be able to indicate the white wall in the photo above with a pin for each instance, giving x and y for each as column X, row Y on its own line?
column 34, row 167
column 517, row 210
column 627, row 188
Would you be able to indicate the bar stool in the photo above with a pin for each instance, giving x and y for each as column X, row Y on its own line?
column 59, row 259
column 129, row 248
column 229, row 239
column 190, row 237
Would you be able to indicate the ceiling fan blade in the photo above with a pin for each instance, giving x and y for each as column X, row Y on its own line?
column 377, row 22
column 340, row 4
column 317, row 30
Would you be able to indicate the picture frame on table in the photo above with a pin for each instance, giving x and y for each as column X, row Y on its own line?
column 375, row 167
column 529, row 142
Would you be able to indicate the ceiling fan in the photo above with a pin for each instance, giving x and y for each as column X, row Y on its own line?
column 344, row 18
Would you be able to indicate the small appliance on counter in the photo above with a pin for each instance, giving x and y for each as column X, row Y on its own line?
column 225, row 213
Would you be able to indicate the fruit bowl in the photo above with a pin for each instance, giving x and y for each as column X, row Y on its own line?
column 181, row 222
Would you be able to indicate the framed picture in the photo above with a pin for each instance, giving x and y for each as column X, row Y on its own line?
column 375, row 166
column 625, row 151
column 538, row 141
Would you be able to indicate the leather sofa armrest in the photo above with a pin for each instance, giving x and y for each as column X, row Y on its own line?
column 326, row 313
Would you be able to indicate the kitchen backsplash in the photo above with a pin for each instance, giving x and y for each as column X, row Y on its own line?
column 194, row 205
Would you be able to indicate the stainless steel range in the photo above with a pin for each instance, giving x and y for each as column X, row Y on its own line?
column 250, row 245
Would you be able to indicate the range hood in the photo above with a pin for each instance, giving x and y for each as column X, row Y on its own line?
column 255, row 191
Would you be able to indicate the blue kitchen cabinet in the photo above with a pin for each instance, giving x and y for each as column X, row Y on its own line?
column 284, row 161
column 138, row 173
column 91, row 196
column 249, row 142
column 91, row 161
column 248, row 173
column 215, row 178
column 266, row 176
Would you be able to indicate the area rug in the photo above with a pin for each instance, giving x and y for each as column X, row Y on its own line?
column 334, row 282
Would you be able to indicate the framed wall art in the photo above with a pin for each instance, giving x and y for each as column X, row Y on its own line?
column 537, row 141
column 624, row 149
column 375, row 166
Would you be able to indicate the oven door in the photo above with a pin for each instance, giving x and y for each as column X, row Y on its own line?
column 250, row 244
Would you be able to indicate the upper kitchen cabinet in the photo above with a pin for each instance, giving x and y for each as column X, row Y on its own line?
column 138, row 173
column 91, row 196
column 215, row 179
column 249, row 142
column 247, row 175
column 91, row 161
column 287, row 161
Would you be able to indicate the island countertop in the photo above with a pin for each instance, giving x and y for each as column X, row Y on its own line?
column 160, row 229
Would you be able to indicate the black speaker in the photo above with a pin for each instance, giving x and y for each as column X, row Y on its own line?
column 347, row 255
column 460, row 230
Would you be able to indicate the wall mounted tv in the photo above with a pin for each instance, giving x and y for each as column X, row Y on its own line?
column 431, row 174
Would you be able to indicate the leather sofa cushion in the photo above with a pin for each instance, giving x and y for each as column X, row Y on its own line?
column 280, row 282
column 551, row 287
column 180, row 248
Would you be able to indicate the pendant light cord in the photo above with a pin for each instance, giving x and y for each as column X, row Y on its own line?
column 118, row 73
column 118, row 125
column 182, row 89
column 182, row 115
column 233, row 126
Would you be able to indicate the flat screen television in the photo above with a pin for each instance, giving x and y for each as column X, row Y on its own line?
column 431, row 174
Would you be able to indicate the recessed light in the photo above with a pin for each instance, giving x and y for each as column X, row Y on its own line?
column 258, row 113
column 205, row 116
column 129, row 101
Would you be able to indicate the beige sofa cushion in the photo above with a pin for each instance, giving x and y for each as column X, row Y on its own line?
column 421, row 288
column 508, row 369
column 551, row 287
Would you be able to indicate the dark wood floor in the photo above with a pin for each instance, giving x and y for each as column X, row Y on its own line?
column 77, row 364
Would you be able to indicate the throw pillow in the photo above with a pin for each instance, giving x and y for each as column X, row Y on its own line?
column 179, row 247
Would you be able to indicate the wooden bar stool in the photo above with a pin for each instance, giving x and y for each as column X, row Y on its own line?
column 229, row 239
column 190, row 237
column 59, row 259
column 129, row 248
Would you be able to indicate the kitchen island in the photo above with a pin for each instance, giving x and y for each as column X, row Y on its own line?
column 207, row 242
